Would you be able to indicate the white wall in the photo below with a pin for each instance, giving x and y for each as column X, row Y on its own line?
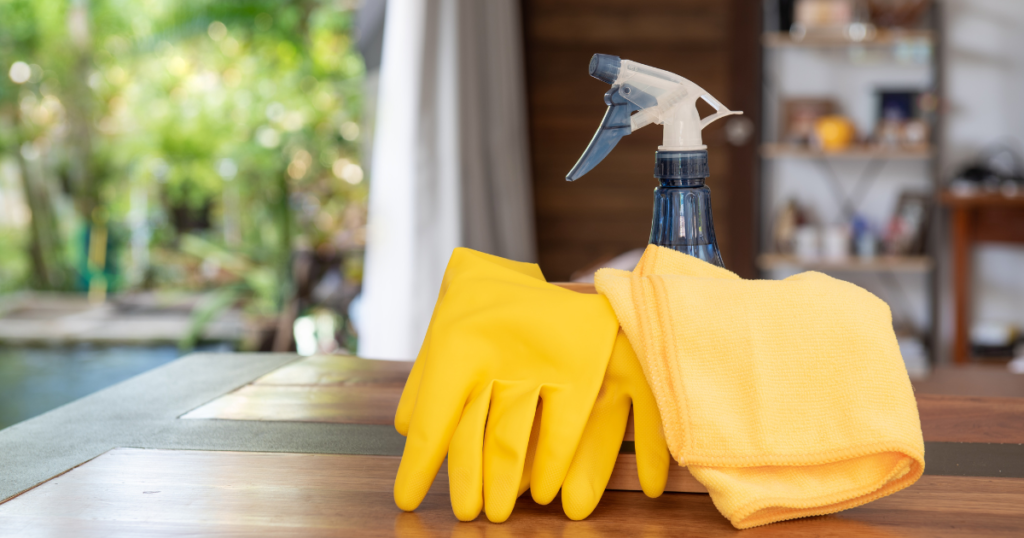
column 985, row 92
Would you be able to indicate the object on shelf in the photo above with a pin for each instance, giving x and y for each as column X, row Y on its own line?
column 789, row 219
column 833, row 133
column 993, row 334
column 1016, row 366
column 864, row 239
column 824, row 13
column 993, row 339
column 897, row 13
column 831, row 19
column 867, row 246
column 904, row 118
column 800, row 116
column 906, row 232
column 835, row 243
column 916, row 133
column 807, row 243
column 998, row 169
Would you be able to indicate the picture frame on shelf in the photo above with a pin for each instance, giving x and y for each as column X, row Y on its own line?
column 903, row 118
column 908, row 227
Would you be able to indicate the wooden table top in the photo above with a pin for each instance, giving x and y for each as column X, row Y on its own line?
column 132, row 492
column 135, row 492
column 343, row 389
column 350, row 390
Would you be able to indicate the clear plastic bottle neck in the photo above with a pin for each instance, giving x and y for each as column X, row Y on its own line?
column 682, row 217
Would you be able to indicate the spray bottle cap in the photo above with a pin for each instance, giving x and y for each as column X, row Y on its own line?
column 657, row 96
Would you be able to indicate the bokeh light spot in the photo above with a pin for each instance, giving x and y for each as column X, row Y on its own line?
column 217, row 30
column 227, row 169
column 268, row 137
column 178, row 66
column 349, row 130
column 347, row 171
column 20, row 72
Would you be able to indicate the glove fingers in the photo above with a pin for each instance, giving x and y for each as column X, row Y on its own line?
column 595, row 457
column 435, row 418
column 465, row 459
column 652, row 457
column 531, row 451
column 513, row 406
column 561, row 427
column 563, row 423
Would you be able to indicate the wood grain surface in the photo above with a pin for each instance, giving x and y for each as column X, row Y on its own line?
column 344, row 404
column 966, row 419
column 985, row 380
column 625, row 478
column 132, row 492
column 350, row 390
column 339, row 370
column 322, row 388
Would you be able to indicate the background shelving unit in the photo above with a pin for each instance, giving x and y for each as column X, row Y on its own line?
column 883, row 38
column 864, row 179
column 775, row 150
column 769, row 261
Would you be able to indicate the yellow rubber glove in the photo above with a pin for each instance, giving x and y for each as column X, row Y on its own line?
column 463, row 261
column 624, row 384
column 500, row 342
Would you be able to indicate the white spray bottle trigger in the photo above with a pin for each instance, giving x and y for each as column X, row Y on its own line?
column 656, row 96
column 670, row 100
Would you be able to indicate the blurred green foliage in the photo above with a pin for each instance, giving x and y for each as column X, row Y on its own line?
column 193, row 137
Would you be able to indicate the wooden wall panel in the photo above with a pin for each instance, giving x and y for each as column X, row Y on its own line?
column 608, row 211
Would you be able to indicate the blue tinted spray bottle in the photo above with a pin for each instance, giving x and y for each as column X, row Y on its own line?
column 641, row 95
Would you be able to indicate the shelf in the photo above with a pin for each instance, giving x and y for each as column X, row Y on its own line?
column 792, row 151
column 884, row 38
column 893, row 264
column 984, row 199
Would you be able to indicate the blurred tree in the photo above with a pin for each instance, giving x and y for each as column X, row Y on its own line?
column 235, row 122
column 25, row 122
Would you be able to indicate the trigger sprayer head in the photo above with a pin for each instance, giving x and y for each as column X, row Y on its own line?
column 656, row 96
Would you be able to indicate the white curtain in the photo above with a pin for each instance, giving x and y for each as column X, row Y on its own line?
column 450, row 162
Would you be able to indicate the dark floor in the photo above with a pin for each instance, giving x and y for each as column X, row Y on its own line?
column 34, row 380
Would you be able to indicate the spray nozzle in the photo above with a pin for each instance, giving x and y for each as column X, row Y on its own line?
column 605, row 67
column 656, row 96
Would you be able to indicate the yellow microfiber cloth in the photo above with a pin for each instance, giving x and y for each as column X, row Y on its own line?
column 786, row 398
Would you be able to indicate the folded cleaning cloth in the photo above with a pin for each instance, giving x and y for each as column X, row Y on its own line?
column 786, row 399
